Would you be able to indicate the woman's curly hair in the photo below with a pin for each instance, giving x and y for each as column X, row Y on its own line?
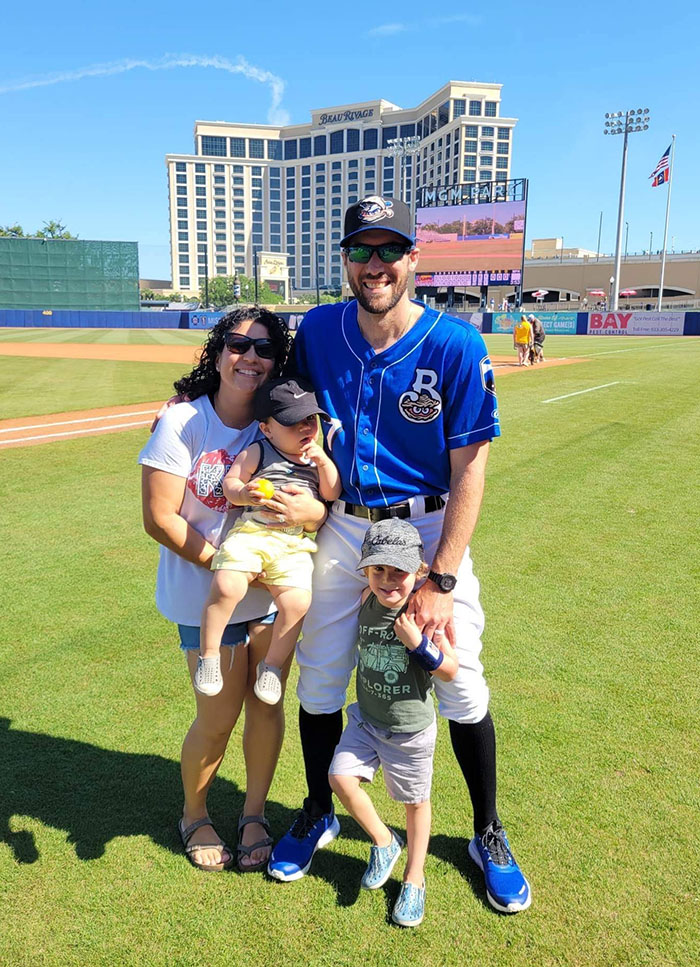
column 204, row 378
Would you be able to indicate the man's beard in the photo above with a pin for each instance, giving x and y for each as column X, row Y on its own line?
column 379, row 305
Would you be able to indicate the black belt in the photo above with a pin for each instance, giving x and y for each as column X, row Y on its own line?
column 401, row 511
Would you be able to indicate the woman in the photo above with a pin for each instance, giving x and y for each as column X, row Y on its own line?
column 184, row 509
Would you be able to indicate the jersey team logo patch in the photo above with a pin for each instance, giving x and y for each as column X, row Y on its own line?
column 487, row 378
column 206, row 477
column 374, row 208
column 422, row 403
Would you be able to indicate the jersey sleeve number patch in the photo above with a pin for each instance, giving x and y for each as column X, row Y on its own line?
column 422, row 403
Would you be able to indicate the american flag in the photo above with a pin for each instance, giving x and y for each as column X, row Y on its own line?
column 660, row 172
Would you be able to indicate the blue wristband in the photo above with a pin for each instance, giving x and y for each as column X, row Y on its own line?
column 428, row 655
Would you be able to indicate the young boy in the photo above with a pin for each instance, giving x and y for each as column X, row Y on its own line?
column 287, row 411
column 393, row 722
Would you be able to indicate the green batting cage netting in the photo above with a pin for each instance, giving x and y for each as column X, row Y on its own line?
column 68, row 274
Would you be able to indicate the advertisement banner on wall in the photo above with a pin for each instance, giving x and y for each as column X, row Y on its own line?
column 204, row 320
column 555, row 323
column 636, row 323
column 207, row 320
column 475, row 318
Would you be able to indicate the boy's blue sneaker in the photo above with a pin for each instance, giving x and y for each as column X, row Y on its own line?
column 311, row 830
column 409, row 909
column 382, row 860
column 506, row 887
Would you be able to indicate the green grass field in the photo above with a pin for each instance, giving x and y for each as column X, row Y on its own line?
column 587, row 554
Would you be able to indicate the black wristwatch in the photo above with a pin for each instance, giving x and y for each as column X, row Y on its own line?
column 443, row 582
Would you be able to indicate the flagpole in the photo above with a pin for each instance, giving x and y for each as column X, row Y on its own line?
column 668, row 211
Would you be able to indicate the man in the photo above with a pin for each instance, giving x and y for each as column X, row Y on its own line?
column 538, row 335
column 411, row 398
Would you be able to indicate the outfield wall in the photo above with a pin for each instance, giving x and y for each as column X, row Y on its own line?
column 555, row 323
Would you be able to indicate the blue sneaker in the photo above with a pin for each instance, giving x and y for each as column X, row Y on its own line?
column 382, row 860
column 506, row 887
column 292, row 856
column 409, row 909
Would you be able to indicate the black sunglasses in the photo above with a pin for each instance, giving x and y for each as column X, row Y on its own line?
column 239, row 344
column 388, row 252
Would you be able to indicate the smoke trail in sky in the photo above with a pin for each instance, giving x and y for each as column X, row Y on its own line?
column 275, row 115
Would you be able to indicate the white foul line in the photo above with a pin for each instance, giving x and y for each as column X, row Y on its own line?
column 579, row 392
column 86, row 419
column 92, row 429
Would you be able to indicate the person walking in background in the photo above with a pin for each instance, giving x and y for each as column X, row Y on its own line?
column 538, row 334
column 522, row 340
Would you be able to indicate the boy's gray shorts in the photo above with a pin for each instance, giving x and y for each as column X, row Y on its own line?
column 405, row 757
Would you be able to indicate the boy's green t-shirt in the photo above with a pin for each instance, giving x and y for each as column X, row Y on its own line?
column 393, row 692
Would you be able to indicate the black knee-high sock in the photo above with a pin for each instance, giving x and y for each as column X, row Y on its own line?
column 475, row 749
column 319, row 736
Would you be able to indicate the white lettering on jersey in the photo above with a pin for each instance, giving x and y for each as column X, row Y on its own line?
column 487, row 380
column 422, row 403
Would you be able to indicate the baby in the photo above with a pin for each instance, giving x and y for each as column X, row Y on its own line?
column 289, row 454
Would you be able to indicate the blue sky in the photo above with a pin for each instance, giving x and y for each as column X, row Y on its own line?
column 92, row 99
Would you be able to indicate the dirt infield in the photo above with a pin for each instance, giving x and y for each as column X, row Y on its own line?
column 51, row 428
column 124, row 354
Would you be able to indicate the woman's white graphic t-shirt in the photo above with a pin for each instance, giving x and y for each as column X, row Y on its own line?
column 190, row 441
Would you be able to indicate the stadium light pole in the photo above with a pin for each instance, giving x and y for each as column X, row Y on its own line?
column 623, row 122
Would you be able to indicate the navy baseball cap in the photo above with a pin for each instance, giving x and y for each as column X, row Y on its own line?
column 393, row 543
column 389, row 214
column 287, row 400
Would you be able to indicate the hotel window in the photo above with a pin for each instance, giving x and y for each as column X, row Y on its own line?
column 502, row 148
column 220, row 258
column 182, row 236
column 503, row 134
column 487, row 132
column 219, row 180
column 182, row 224
column 475, row 109
column 218, row 225
column 274, row 150
column 353, row 139
column 470, row 160
column 220, row 168
column 200, row 169
column 388, row 133
column 220, row 236
column 183, row 248
column 304, row 147
column 485, row 175
column 200, row 203
column 443, row 114
column 459, row 107
column 319, row 144
column 200, row 191
column 219, row 203
column 486, row 159
column 180, row 166
column 185, row 281
column 219, row 191
column 219, row 248
column 407, row 130
column 290, row 150
column 337, row 138
column 181, row 212
column 369, row 139
column 200, row 180
column 215, row 146
column 502, row 163
column 490, row 109
column 470, row 176
column 237, row 169
column 471, row 131
column 256, row 146
column 238, row 147
column 181, row 179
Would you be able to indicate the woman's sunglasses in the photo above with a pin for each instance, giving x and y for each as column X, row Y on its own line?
column 238, row 344
column 389, row 252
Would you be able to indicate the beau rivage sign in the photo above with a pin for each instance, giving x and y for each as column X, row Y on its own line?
column 340, row 117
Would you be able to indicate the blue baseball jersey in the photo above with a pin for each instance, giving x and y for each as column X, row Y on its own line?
column 395, row 415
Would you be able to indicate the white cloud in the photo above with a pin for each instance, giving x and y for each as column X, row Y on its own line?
column 386, row 30
column 275, row 115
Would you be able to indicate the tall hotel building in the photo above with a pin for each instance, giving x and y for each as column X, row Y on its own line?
column 258, row 187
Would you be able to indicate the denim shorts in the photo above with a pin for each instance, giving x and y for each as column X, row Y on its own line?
column 234, row 634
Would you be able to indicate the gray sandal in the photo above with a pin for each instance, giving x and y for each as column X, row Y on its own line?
column 248, row 850
column 191, row 848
